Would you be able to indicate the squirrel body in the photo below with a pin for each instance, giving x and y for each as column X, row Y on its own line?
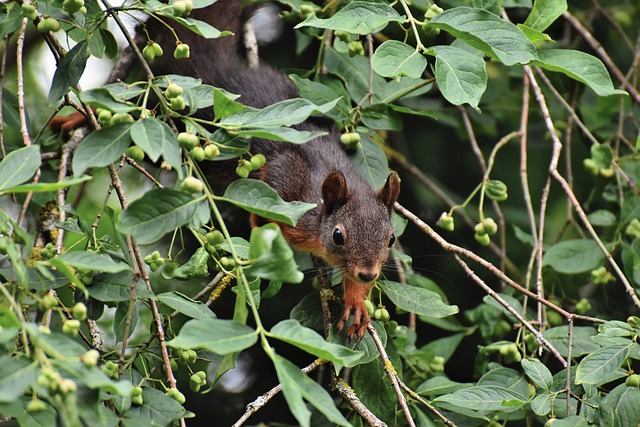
column 350, row 227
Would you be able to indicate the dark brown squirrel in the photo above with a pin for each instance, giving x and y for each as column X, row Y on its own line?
column 350, row 228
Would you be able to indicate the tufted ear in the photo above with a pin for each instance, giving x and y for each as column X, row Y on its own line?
column 334, row 192
column 389, row 193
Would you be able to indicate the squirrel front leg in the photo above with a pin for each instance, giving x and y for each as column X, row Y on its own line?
column 354, row 295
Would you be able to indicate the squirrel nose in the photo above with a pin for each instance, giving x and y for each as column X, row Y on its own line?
column 367, row 277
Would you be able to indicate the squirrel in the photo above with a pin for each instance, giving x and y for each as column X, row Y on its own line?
column 350, row 227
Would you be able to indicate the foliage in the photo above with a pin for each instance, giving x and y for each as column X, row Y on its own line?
column 93, row 326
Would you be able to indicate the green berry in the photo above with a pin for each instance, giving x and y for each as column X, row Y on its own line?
column 137, row 400
column 591, row 166
column 149, row 53
column 188, row 140
column 489, row 225
column 633, row 229
column 355, row 48
column 211, row 151
column 175, row 394
column 634, row 322
column 203, row 376
column 583, row 306
column 510, row 353
column 71, row 327
column 188, row 6
column 446, row 222
column 72, row 6
column 483, row 239
column 193, row 356
column 182, row 51
column 183, row 359
column 633, row 380
column 242, row 171
column 382, row 314
column 433, row 11
column 191, row 184
column 342, row 36
column 90, row 358
column 28, row 11
column 36, row 405
column 437, row 364
column 157, row 49
column 257, row 161
column 496, row 190
column 48, row 24
column 214, row 237
column 177, row 103
column 121, row 118
column 369, row 306
column 136, row 391
column 173, row 90
column 350, row 140
column 479, row 228
column 104, row 117
column 179, row 8
column 135, row 153
column 79, row 311
column 554, row 318
column 197, row 154
column 48, row 302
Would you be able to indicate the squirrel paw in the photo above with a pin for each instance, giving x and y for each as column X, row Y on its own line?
column 360, row 321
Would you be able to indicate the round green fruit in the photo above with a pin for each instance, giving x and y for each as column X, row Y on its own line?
column 191, row 184
column 182, row 51
column 173, row 90
column 135, row 153
column 188, row 140
column 197, row 154
column 211, row 151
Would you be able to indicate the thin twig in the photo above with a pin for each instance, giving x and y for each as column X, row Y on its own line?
column 21, row 108
column 262, row 400
column 391, row 373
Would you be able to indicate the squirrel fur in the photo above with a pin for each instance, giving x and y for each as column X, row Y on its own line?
column 350, row 228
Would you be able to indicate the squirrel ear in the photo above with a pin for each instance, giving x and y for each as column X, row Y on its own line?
column 389, row 193
column 334, row 191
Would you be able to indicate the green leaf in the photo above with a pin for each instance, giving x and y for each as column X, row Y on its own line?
column 581, row 344
column 541, row 404
column 357, row 17
column 10, row 18
column 538, row 373
column 110, row 43
column 483, row 398
column 69, row 71
column 619, row 408
column 381, row 116
column 271, row 256
column 95, row 378
column 579, row 66
column 284, row 113
column 461, row 75
column 259, row 198
column 488, row 33
column 152, row 136
column 240, row 245
column 16, row 375
column 294, row 333
column 158, row 409
column 394, row 59
column 534, row 35
column 199, row 27
column 602, row 155
column 596, row 366
column 19, row 166
column 282, row 134
column 225, row 104
column 57, row 344
column 45, row 187
column 416, row 300
column 216, row 335
column 93, row 261
column 186, row 305
column 102, row 147
column 631, row 260
column 372, row 386
column 371, row 161
column 194, row 268
column 103, row 98
column 602, row 218
column 296, row 386
column 108, row 287
column 544, row 13
column 157, row 213
column 574, row 256
column 119, row 322
column 320, row 93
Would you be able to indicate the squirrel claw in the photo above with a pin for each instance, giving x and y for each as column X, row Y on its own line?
column 358, row 325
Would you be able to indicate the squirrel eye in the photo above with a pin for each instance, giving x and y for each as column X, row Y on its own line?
column 338, row 237
column 392, row 240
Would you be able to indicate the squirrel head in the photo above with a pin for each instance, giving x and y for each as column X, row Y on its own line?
column 356, row 229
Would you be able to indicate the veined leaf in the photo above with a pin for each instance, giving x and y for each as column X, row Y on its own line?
column 102, row 147
column 417, row 300
column 216, row 335
column 357, row 17
column 488, row 33
column 461, row 76
column 19, row 166
column 394, row 59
